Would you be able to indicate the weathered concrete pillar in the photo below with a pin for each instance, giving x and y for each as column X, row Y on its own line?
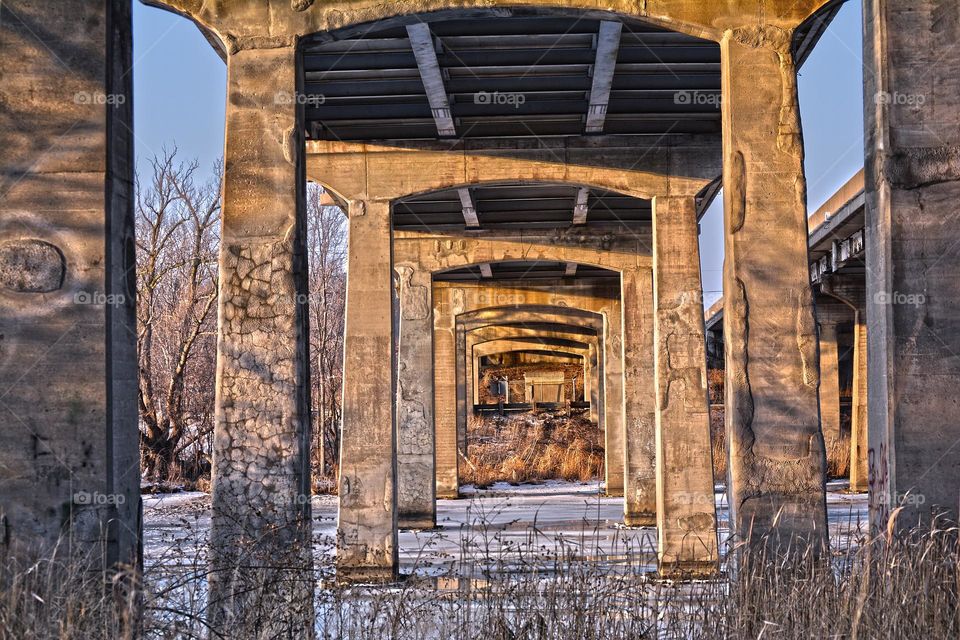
column 69, row 459
column 859, row 428
column 367, row 524
column 416, row 484
column 829, row 384
column 686, row 509
column 261, row 472
column 595, row 390
column 614, row 407
column 445, row 392
column 777, row 461
column 640, row 495
column 912, row 100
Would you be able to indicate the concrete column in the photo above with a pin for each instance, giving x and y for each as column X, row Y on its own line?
column 615, row 408
column 912, row 109
column 416, row 484
column 829, row 384
column 777, row 461
column 367, row 524
column 464, row 411
column 69, row 459
column 858, row 423
column 686, row 509
column 445, row 393
column 261, row 471
column 640, row 497
column 594, row 392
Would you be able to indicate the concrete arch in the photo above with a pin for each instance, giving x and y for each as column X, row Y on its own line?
column 450, row 387
column 532, row 345
column 556, row 338
column 368, row 171
column 529, row 314
column 233, row 21
column 437, row 253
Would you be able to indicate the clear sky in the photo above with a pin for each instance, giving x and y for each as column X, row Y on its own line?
column 180, row 84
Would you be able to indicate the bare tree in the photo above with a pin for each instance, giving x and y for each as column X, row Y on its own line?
column 326, row 247
column 178, row 242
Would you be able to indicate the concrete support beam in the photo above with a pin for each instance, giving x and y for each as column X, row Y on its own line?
column 69, row 459
column 421, row 39
column 859, row 471
column 367, row 523
column 470, row 219
column 777, row 461
column 581, row 209
column 686, row 509
column 261, row 472
column 913, row 313
column 416, row 486
column 829, row 384
column 640, row 478
column 608, row 48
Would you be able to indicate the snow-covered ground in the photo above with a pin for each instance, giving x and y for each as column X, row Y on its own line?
column 503, row 522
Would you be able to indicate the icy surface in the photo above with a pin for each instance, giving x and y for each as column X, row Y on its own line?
column 503, row 521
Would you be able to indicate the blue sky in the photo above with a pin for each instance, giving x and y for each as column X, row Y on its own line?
column 179, row 99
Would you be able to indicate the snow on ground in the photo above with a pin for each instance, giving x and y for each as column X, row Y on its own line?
column 503, row 522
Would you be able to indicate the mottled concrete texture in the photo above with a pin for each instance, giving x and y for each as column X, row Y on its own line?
column 416, row 487
column 69, row 463
column 777, row 459
column 829, row 384
column 640, row 481
column 686, row 512
column 368, row 506
column 913, row 186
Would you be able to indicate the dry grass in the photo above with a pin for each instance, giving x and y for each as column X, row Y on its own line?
column 532, row 447
column 838, row 458
column 718, row 443
column 52, row 598
column 906, row 588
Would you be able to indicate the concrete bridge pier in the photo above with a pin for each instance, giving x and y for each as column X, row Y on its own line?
column 639, row 432
column 912, row 124
column 367, row 523
column 446, row 309
column 615, row 403
column 852, row 293
column 859, row 422
column 777, row 460
column 416, row 485
column 685, row 504
column 69, row 459
column 260, row 552
column 829, row 383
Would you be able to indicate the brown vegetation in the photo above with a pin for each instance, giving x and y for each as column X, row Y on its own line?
column 531, row 447
column 885, row 588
